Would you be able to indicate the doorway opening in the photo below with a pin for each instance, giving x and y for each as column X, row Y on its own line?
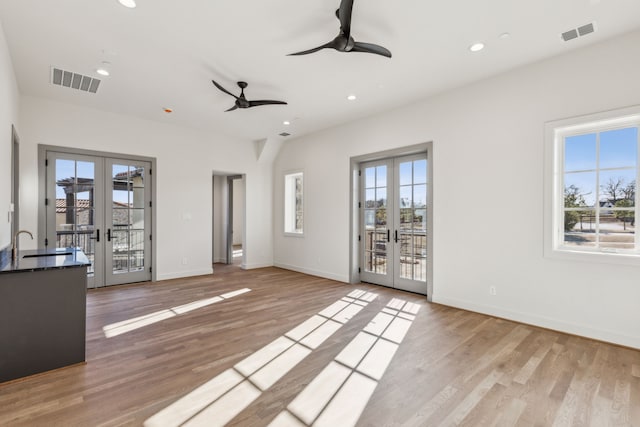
column 392, row 219
column 228, row 219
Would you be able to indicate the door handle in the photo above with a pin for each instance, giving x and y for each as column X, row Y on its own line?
column 97, row 238
column 396, row 237
column 108, row 234
column 388, row 235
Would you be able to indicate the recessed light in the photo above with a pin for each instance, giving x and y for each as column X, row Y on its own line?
column 286, row 123
column 476, row 47
column 504, row 36
column 103, row 68
column 351, row 97
column 128, row 3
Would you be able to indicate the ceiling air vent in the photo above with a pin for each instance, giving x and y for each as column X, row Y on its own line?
column 74, row 81
column 285, row 134
column 578, row 32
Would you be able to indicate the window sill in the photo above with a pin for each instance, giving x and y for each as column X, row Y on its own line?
column 632, row 259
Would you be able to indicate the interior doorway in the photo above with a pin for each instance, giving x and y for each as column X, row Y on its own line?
column 235, row 225
column 228, row 240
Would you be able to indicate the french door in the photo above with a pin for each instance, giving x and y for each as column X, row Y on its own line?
column 101, row 205
column 393, row 230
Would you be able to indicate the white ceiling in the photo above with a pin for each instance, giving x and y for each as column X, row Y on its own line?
column 164, row 53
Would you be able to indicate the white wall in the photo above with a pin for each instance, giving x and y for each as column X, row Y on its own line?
column 186, row 159
column 8, row 116
column 488, row 193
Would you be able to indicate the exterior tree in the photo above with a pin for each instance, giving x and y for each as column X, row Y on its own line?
column 629, row 191
column 626, row 215
column 573, row 198
column 615, row 189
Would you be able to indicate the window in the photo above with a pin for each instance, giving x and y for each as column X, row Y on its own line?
column 293, row 203
column 594, row 200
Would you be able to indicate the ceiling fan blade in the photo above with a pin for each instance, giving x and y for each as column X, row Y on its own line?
column 344, row 15
column 223, row 89
column 315, row 49
column 371, row 48
column 235, row 107
column 265, row 102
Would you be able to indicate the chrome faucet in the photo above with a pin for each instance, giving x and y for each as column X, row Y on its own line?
column 14, row 245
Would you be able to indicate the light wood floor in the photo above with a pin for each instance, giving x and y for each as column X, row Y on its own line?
column 452, row 367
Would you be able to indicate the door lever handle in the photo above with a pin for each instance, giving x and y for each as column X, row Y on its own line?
column 108, row 234
column 395, row 238
column 388, row 235
column 97, row 238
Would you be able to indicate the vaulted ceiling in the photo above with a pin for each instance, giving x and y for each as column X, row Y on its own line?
column 164, row 53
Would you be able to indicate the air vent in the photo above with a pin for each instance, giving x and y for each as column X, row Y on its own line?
column 74, row 81
column 285, row 134
column 578, row 32
column 586, row 29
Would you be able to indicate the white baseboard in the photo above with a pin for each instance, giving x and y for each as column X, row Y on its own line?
column 181, row 274
column 544, row 322
column 324, row 274
column 253, row 266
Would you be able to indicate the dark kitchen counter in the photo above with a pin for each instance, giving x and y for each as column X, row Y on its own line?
column 45, row 259
column 42, row 311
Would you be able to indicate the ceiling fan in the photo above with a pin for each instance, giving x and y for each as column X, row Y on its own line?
column 241, row 101
column 344, row 42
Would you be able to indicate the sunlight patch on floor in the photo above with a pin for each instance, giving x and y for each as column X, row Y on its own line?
column 338, row 395
column 119, row 328
column 218, row 401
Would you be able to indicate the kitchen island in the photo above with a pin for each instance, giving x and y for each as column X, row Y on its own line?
column 42, row 311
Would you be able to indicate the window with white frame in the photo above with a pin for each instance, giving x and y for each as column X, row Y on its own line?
column 293, row 203
column 595, row 162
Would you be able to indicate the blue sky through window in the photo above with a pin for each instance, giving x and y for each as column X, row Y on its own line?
column 618, row 161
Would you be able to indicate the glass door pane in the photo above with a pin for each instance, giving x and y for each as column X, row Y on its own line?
column 376, row 246
column 128, row 222
column 411, row 220
column 74, row 220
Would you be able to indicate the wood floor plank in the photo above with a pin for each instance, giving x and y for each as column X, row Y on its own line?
column 451, row 368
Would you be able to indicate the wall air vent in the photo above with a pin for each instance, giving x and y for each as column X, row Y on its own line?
column 578, row 32
column 285, row 134
column 74, row 81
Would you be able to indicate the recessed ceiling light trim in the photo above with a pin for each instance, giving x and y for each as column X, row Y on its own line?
column 476, row 47
column 286, row 123
column 352, row 97
column 128, row 3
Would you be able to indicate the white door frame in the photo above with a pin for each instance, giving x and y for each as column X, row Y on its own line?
column 354, row 225
column 42, row 196
column 230, row 196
